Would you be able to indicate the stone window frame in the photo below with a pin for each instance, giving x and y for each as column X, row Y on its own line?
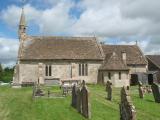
column 109, row 75
column 83, row 69
column 120, row 75
column 48, row 70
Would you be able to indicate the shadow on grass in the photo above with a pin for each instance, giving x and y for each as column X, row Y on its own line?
column 150, row 101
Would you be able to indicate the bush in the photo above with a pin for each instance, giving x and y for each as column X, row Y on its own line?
column 6, row 75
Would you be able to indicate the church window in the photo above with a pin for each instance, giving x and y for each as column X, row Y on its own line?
column 83, row 69
column 119, row 75
column 48, row 70
column 109, row 75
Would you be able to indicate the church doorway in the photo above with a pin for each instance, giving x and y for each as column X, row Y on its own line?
column 150, row 79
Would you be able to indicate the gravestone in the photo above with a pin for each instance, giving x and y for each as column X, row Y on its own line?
column 79, row 100
column 148, row 89
column 141, row 92
column 85, row 101
column 109, row 90
column 156, row 92
column 34, row 90
column 74, row 97
column 127, row 109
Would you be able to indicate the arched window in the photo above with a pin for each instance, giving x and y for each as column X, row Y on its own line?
column 83, row 69
column 48, row 70
column 119, row 75
column 109, row 75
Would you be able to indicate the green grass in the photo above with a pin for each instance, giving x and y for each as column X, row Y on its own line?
column 17, row 104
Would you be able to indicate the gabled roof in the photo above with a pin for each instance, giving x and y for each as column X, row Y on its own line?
column 155, row 59
column 85, row 48
column 113, row 62
column 133, row 53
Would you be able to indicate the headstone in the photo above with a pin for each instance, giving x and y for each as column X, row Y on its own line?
column 141, row 92
column 34, row 89
column 127, row 109
column 148, row 89
column 85, row 101
column 74, row 97
column 156, row 92
column 109, row 90
column 79, row 100
column 48, row 93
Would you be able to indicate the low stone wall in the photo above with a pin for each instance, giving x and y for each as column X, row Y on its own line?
column 127, row 109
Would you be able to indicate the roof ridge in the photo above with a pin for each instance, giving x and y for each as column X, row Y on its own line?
column 117, row 45
column 142, row 54
column 66, row 37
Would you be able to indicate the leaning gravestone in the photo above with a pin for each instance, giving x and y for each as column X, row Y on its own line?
column 79, row 100
column 156, row 92
column 85, row 101
column 109, row 90
column 141, row 93
column 127, row 109
column 74, row 97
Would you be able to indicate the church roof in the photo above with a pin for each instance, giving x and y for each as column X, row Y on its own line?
column 113, row 62
column 155, row 59
column 133, row 53
column 85, row 48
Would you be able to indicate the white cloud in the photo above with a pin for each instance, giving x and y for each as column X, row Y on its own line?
column 8, row 51
column 126, row 20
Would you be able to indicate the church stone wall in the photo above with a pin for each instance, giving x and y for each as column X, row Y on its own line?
column 139, row 68
column 28, row 73
column 124, row 81
column 92, row 72
column 28, row 70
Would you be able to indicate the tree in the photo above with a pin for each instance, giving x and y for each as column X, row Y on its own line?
column 1, row 71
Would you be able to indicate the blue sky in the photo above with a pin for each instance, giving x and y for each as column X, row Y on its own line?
column 114, row 22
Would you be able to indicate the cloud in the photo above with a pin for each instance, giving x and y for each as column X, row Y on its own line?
column 124, row 20
column 49, row 21
column 8, row 51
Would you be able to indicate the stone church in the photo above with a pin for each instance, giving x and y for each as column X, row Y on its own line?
column 48, row 59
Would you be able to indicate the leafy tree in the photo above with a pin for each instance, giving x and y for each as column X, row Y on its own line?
column 1, row 71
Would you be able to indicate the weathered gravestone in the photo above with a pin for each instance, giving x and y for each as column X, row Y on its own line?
column 34, row 90
column 156, row 92
column 127, row 109
column 74, row 97
column 79, row 100
column 141, row 92
column 85, row 101
column 109, row 90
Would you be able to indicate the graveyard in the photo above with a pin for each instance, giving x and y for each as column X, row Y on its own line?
column 18, row 104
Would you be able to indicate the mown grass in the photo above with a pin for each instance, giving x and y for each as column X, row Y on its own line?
column 17, row 104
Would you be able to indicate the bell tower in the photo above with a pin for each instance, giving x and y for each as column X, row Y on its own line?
column 22, row 26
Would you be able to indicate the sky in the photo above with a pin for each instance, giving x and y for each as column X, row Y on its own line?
column 111, row 21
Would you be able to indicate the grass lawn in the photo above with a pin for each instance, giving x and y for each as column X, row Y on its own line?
column 17, row 104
